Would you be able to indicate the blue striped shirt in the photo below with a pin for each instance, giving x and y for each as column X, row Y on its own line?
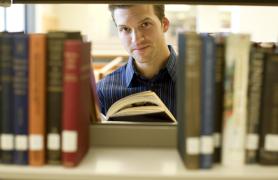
column 126, row 80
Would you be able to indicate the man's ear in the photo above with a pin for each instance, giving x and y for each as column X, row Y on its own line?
column 165, row 24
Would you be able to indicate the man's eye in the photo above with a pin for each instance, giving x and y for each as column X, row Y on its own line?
column 145, row 24
column 124, row 29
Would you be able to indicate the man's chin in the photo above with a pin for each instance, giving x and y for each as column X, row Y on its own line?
column 140, row 59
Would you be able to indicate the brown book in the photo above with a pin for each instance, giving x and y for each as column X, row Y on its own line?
column 256, row 66
column 268, row 153
column 77, row 103
column 37, row 98
column 189, row 99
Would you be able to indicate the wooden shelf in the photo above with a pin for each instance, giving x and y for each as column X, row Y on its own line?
column 135, row 163
column 204, row 2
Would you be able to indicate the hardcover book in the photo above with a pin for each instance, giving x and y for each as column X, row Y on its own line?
column 144, row 107
column 207, row 101
column 235, row 100
column 77, row 104
column 188, row 98
column 256, row 71
column 7, row 124
column 55, row 54
column 20, row 93
column 269, row 122
column 37, row 99
column 219, row 94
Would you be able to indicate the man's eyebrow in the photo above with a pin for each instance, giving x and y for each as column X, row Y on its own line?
column 145, row 19
column 120, row 25
column 141, row 21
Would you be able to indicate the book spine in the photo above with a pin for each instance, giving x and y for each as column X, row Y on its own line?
column 207, row 101
column 20, row 93
column 1, row 92
column 219, row 96
column 71, row 96
column 193, row 101
column 55, row 51
column 37, row 99
column 269, row 118
column 254, row 103
column 236, row 82
column 76, row 106
column 7, row 132
column 86, row 104
column 181, row 138
column 55, row 48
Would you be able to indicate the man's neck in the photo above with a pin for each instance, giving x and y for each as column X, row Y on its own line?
column 152, row 68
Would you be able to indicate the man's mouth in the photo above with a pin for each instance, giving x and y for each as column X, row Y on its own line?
column 140, row 48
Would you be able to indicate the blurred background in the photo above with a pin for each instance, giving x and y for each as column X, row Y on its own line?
column 94, row 21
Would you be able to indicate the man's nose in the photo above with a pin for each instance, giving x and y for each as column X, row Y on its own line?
column 137, row 36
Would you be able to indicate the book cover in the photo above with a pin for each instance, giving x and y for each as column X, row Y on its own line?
column 7, row 124
column 37, row 99
column 235, row 100
column 188, row 96
column 268, row 153
column 55, row 53
column 257, row 61
column 20, row 93
column 0, row 89
column 76, row 102
column 219, row 94
column 207, row 101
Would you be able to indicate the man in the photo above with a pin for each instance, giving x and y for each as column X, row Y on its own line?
column 151, row 65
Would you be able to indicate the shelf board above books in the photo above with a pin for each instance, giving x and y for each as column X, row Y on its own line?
column 204, row 2
column 135, row 163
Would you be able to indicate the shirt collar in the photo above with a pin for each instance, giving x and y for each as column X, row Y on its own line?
column 170, row 66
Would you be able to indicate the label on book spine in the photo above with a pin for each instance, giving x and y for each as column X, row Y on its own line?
column 21, row 142
column 207, row 145
column 69, row 143
column 271, row 142
column 53, row 141
column 252, row 141
column 36, row 142
column 216, row 139
column 7, row 142
column 193, row 145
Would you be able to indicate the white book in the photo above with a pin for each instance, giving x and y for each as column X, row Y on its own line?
column 235, row 99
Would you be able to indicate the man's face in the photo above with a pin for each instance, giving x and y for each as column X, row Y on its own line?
column 141, row 32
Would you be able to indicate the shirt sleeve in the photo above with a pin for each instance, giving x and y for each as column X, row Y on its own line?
column 100, row 97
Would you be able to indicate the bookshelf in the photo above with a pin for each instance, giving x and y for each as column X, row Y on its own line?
column 204, row 2
column 104, row 163
column 138, row 152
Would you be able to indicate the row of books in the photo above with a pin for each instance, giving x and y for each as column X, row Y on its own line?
column 46, row 98
column 227, row 94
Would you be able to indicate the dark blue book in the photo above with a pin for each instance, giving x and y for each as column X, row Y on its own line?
column 7, row 128
column 0, row 87
column 207, row 100
column 20, row 93
column 180, row 90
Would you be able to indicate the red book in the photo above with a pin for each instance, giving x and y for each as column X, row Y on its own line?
column 76, row 102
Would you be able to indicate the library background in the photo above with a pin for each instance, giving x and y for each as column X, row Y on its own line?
column 227, row 114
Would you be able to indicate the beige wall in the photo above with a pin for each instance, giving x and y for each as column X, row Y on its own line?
column 93, row 20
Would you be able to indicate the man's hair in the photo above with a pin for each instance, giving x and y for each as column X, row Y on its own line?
column 158, row 9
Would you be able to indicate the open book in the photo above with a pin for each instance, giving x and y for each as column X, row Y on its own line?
column 144, row 107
